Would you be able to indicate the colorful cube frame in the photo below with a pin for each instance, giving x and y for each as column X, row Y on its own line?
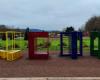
column 33, row 47
column 11, row 54
column 93, row 52
column 74, row 50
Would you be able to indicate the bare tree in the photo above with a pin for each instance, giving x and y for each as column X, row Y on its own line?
column 93, row 24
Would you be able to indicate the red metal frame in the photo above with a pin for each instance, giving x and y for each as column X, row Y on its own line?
column 33, row 46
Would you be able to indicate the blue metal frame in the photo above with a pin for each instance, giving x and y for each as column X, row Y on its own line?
column 74, row 37
column 79, row 34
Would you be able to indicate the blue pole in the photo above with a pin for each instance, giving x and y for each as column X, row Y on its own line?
column 74, row 45
column 81, row 43
column 61, row 44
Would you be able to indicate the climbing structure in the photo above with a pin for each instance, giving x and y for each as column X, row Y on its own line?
column 73, row 44
column 32, row 44
column 9, row 51
column 95, row 51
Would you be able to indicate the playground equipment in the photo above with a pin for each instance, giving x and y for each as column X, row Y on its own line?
column 32, row 43
column 95, row 51
column 10, row 53
column 74, row 37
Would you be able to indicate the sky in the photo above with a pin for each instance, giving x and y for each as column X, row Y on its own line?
column 48, row 14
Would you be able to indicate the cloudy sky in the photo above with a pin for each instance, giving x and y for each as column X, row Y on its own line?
column 48, row 14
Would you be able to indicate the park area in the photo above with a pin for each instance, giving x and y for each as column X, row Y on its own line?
column 55, row 66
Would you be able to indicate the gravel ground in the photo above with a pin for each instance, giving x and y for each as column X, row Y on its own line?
column 54, row 67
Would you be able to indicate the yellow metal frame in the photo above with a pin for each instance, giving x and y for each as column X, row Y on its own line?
column 12, row 54
column 13, row 39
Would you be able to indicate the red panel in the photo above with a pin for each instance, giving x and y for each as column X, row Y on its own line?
column 32, row 45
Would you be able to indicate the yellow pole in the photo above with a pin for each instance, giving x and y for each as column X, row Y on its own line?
column 6, row 40
column 20, row 41
column 13, row 40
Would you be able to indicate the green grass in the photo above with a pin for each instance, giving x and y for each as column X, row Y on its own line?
column 21, row 43
column 54, row 43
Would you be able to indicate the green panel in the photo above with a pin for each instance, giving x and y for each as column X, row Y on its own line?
column 93, row 42
column 99, row 46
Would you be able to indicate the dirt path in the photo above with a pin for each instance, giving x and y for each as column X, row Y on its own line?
column 54, row 67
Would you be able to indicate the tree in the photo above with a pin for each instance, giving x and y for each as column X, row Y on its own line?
column 3, row 36
column 93, row 24
column 26, row 34
column 69, row 29
column 3, row 28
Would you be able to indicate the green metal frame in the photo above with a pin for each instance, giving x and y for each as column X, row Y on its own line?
column 93, row 36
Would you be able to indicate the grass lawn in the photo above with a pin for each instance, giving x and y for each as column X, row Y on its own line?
column 54, row 43
column 21, row 43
